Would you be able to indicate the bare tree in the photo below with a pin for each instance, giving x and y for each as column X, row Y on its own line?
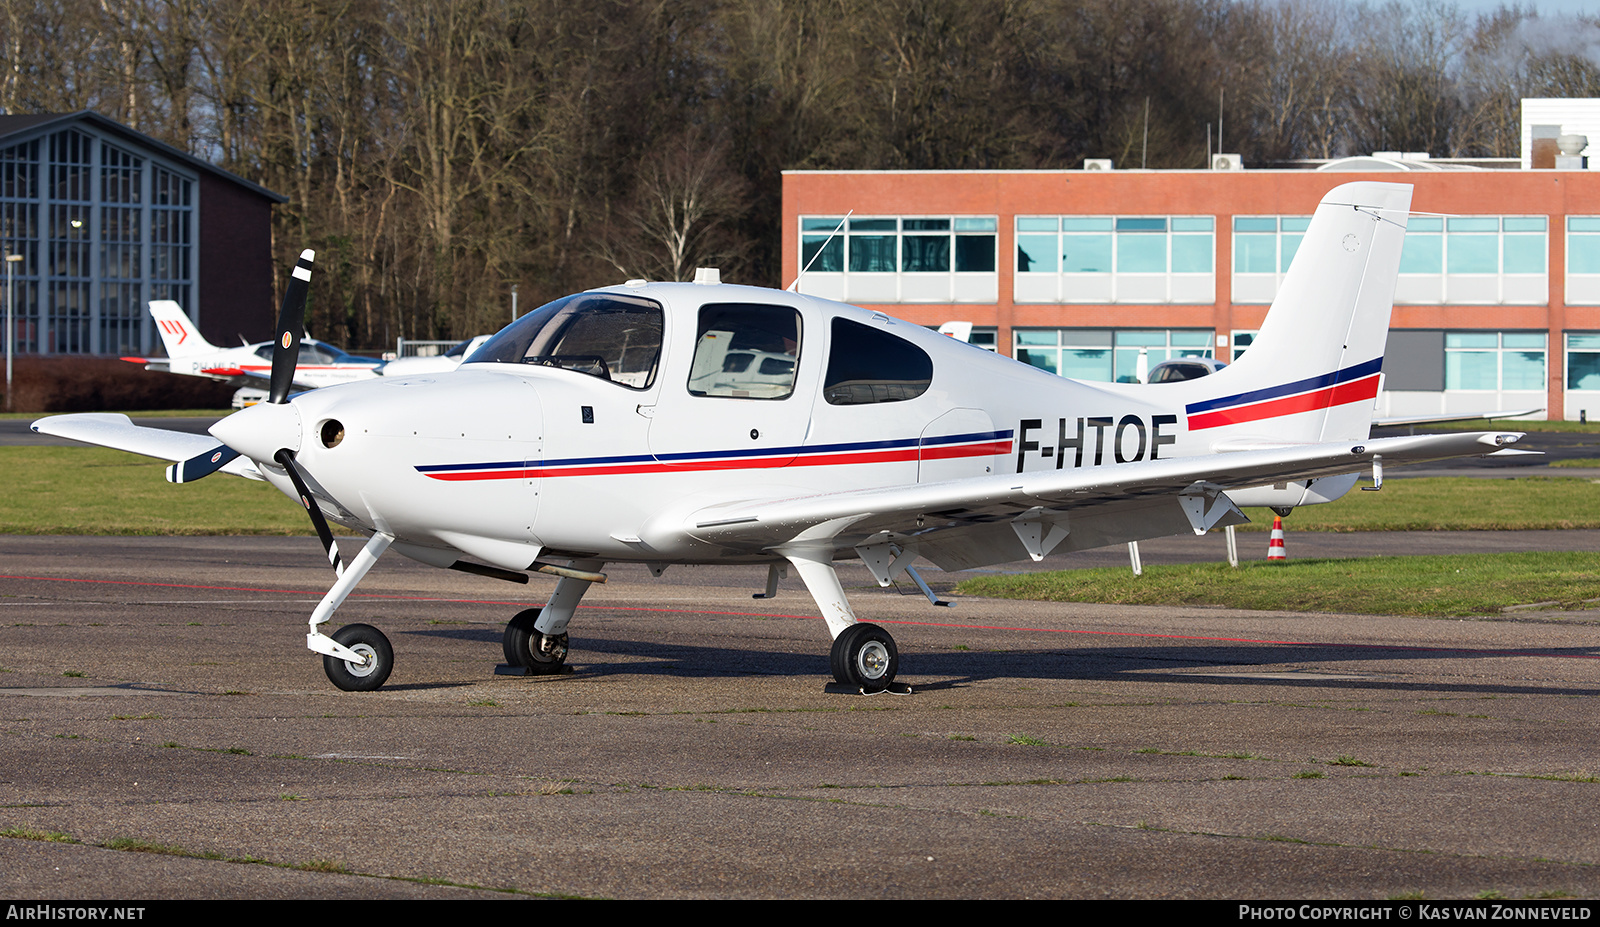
column 1297, row 84
column 681, row 214
column 1403, row 98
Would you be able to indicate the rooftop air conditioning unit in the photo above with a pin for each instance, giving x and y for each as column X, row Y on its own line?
column 1097, row 164
column 1227, row 162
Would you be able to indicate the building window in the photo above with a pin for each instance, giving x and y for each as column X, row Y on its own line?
column 1112, row 259
column 1583, row 360
column 68, row 324
column 1241, row 343
column 934, row 259
column 1263, row 247
column 1502, row 361
column 170, row 254
column 1583, row 261
column 1107, row 355
column 19, row 234
column 1474, row 260
column 122, row 311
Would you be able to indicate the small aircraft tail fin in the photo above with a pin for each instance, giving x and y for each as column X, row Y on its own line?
column 1311, row 373
column 177, row 332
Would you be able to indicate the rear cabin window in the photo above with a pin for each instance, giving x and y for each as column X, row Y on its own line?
column 866, row 365
column 745, row 351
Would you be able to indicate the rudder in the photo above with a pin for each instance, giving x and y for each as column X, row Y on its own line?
column 1311, row 373
column 178, row 334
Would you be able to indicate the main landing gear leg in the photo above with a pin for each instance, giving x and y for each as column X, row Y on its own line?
column 535, row 641
column 864, row 656
column 357, row 658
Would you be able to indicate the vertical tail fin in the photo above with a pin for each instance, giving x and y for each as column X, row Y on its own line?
column 178, row 334
column 1312, row 372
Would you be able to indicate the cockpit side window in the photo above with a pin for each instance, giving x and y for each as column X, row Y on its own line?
column 866, row 365
column 1174, row 373
column 316, row 354
column 604, row 335
column 745, row 351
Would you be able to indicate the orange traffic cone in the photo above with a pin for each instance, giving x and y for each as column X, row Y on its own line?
column 1275, row 549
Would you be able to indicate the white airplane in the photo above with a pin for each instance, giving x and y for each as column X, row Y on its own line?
column 587, row 432
column 438, row 363
column 189, row 353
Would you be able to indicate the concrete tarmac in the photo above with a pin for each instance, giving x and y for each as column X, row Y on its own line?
column 156, row 693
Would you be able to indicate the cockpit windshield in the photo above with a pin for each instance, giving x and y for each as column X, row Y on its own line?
column 615, row 338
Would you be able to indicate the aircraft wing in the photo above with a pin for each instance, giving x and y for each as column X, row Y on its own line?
column 240, row 376
column 1453, row 417
column 961, row 524
column 117, row 431
column 158, row 364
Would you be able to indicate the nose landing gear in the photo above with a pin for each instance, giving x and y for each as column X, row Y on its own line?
column 376, row 659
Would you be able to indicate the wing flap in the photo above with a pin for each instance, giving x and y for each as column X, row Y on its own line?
column 1099, row 506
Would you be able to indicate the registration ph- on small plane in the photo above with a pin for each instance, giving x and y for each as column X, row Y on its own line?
column 189, row 353
column 694, row 423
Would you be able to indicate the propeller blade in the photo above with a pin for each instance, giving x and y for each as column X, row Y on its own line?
column 324, row 533
column 200, row 465
column 291, row 322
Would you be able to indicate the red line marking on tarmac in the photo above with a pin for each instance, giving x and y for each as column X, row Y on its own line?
column 1414, row 648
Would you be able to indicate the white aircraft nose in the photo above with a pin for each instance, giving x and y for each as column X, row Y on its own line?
column 261, row 430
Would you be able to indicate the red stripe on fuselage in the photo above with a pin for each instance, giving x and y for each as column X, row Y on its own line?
column 1338, row 395
column 739, row 463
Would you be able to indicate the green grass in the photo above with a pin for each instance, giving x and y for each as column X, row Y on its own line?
column 83, row 490
column 1450, row 504
column 1481, row 424
column 1458, row 585
column 80, row 490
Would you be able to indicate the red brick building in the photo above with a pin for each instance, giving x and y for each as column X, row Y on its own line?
column 1497, row 307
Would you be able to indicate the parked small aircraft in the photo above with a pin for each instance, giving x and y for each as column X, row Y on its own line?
column 188, row 352
column 438, row 363
column 609, row 426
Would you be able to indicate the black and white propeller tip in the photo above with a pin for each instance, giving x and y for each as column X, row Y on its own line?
column 291, row 323
column 203, row 464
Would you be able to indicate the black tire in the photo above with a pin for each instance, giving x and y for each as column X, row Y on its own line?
column 370, row 642
column 865, row 656
column 525, row 646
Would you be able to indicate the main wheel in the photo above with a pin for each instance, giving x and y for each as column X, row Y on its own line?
column 377, row 656
column 865, row 656
column 525, row 646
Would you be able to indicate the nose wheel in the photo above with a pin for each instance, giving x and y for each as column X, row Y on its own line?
column 377, row 659
column 525, row 646
column 864, row 656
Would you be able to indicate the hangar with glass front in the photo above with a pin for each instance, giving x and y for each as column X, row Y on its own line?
column 106, row 219
column 1099, row 275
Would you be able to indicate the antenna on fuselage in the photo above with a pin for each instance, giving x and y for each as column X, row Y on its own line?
column 824, row 247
